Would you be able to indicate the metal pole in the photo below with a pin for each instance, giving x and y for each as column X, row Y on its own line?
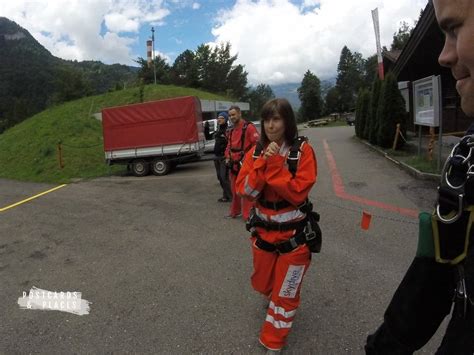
column 153, row 52
column 419, row 140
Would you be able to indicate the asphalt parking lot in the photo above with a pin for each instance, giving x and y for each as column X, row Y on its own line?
column 166, row 273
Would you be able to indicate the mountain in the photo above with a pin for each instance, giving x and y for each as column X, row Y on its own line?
column 290, row 91
column 31, row 78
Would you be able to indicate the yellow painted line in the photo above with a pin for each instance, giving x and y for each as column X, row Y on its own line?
column 31, row 198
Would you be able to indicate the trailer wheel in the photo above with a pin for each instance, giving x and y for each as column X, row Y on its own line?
column 140, row 167
column 160, row 166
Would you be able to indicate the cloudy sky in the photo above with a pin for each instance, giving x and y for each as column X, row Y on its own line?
column 276, row 40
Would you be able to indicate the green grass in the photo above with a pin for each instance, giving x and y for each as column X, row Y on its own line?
column 29, row 149
column 422, row 164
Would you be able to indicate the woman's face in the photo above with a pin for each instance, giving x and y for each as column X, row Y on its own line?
column 274, row 129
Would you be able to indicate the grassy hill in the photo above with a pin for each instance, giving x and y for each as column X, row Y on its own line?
column 28, row 151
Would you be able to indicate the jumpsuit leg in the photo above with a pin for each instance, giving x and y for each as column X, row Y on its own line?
column 289, row 270
column 218, row 173
column 224, row 172
column 236, row 205
column 223, row 177
column 263, row 270
column 459, row 336
column 246, row 206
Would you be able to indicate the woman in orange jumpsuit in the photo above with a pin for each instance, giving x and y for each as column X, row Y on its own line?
column 277, row 193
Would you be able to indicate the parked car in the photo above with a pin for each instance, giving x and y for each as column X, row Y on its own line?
column 350, row 118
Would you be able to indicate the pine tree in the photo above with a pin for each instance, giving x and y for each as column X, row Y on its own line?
column 358, row 117
column 364, row 113
column 349, row 78
column 372, row 126
column 309, row 94
column 391, row 110
column 258, row 97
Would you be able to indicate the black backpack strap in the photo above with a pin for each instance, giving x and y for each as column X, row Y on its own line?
column 294, row 155
column 258, row 150
column 242, row 137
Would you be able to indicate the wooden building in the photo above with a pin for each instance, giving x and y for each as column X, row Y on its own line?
column 419, row 59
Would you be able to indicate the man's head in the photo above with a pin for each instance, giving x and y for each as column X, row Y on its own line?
column 456, row 19
column 222, row 118
column 235, row 114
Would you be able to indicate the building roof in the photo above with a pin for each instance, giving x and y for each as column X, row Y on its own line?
column 419, row 57
column 392, row 55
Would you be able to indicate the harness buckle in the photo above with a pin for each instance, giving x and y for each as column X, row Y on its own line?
column 456, row 216
column 298, row 156
column 309, row 233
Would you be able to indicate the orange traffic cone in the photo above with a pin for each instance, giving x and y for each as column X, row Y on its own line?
column 365, row 222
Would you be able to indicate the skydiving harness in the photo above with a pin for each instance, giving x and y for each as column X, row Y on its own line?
column 454, row 216
column 454, row 212
column 307, row 230
column 235, row 165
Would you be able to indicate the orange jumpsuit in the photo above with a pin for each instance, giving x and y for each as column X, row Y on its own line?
column 234, row 153
column 278, row 276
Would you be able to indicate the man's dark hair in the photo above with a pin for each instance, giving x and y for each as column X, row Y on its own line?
column 234, row 107
column 279, row 107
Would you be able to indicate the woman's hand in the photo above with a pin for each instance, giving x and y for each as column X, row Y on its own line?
column 272, row 149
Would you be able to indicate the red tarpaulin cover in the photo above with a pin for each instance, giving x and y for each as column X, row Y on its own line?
column 171, row 121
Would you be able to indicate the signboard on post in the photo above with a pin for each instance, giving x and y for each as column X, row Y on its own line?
column 426, row 101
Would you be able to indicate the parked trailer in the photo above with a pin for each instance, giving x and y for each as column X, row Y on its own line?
column 154, row 136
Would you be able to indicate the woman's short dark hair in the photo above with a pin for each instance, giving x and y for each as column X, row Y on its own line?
column 279, row 107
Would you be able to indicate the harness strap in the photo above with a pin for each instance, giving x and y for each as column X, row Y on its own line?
column 276, row 206
column 242, row 139
column 275, row 226
column 294, row 155
column 281, row 247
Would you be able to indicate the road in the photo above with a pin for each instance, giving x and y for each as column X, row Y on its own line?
column 166, row 273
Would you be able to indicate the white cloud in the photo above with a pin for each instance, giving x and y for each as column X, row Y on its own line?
column 165, row 56
column 196, row 5
column 278, row 41
column 83, row 30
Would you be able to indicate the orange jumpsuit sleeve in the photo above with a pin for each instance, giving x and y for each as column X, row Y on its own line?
column 293, row 189
column 251, row 179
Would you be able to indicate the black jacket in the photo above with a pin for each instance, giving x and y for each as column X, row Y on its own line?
column 221, row 140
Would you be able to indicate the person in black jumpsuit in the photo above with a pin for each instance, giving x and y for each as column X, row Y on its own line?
column 427, row 292
column 219, row 161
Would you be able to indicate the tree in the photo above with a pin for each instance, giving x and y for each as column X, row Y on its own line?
column 358, row 118
column 215, row 71
column 349, row 78
column 147, row 74
column 332, row 101
column 401, row 37
column 236, row 83
column 362, row 112
column 184, row 70
column 309, row 94
column 370, row 70
column 258, row 97
column 70, row 85
column 372, row 124
column 390, row 111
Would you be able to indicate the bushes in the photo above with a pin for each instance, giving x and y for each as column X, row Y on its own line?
column 380, row 111
column 362, row 112
column 372, row 126
column 390, row 111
